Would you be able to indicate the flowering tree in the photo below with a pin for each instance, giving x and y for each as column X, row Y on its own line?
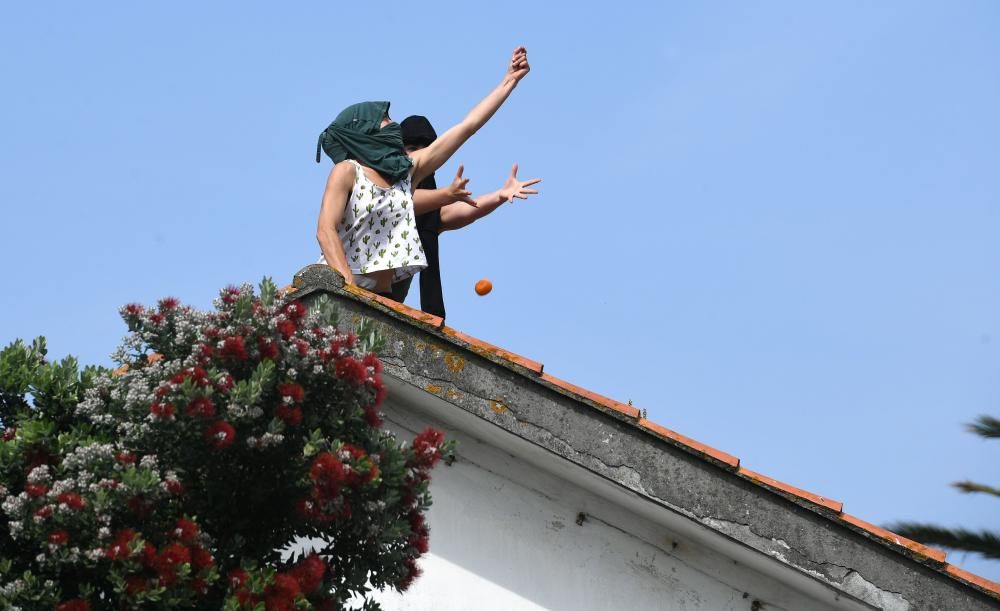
column 225, row 437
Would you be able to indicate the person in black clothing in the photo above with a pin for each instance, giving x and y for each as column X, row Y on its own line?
column 453, row 208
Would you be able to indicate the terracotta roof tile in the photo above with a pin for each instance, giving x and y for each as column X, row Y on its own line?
column 696, row 446
column 485, row 349
column 601, row 400
column 422, row 317
column 918, row 549
column 783, row 488
column 991, row 587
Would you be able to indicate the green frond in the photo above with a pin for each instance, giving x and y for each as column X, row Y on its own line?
column 983, row 542
column 985, row 426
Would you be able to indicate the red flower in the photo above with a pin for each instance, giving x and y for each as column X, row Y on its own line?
column 58, row 537
column 286, row 328
column 237, row 578
column 230, row 294
column 134, row 309
column 372, row 416
column 225, row 382
column 201, row 558
column 292, row 416
column 163, row 411
column 72, row 500
column 220, row 435
column 233, row 348
column 427, row 447
column 290, row 389
column 185, row 530
column 327, row 468
column 125, row 458
column 371, row 360
column 172, row 556
column 302, row 346
column 268, row 348
column 44, row 512
column 174, row 486
column 76, row 604
column 295, row 310
column 157, row 319
column 134, row 584
column 169, row 303
column 199, row 585
column 201, row 407
column 351, row 370
column 280, row 595
column 309, row 573
column 412, row 572
column 35, row 490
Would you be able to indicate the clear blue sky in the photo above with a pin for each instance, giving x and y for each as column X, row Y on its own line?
column 774, row 226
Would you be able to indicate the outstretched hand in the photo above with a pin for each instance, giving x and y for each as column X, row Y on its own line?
column 457, row 191
column 518, row 66
column 515, row 188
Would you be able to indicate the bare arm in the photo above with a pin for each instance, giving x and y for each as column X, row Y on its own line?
column 458, row 214
column 426, row 161
column 426, row 200
column 338, row 190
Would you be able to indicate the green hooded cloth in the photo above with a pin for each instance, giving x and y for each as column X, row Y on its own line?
column 355, row 134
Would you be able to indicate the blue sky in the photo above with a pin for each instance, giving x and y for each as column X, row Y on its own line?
column 774, row 226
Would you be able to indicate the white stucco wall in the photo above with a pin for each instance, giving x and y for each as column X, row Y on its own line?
column 504, row 536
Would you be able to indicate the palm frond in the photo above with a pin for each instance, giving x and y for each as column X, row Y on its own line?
column 983, row 542
column 985, row 426
column 967, row 486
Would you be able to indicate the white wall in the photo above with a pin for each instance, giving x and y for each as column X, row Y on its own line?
column 504, row 536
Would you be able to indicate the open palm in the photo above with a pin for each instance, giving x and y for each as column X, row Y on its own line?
column 518, row 189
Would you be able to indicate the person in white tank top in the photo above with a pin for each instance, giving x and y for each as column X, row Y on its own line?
column 366, row 228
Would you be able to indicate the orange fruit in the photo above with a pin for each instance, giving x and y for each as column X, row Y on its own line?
column 483, row 287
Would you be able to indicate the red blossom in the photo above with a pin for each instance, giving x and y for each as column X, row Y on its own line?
column 201, row 558
column 237, row 578
column 185, row 530
column 286, row 328
column 44, row 512
column 172, row 556
column 75, row 604
column 293, row 390
column 169, row 303
column 412, row 572
column 268, row 348
column 35, row 490
column 72, row 500
column 199, row 585
column 302, row 346
column 125, row 458
column 427, row 447
column 309, row 573
column 233, row 348
column 225, row 382
column 280, row 595
column 134, row 584
column 174, row 486
column 372, row 416
column 134, row 309
column 157, row 319
column 371, row 360
column 163, row 411
column 201, row 407
column 292, row 416
column 351, row 370
column 220, row 435
column 230, row 294
column 294, row 310
column 58, row 537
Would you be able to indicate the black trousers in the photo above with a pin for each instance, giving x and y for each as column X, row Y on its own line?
column 431, row 294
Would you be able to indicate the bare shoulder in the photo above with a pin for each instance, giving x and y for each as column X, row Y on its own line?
column 342, row 174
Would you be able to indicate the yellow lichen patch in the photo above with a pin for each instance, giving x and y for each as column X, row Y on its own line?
column 453, row 394
column 498, row 407
column 454, row 362
column 433, row 388
column 356, row 320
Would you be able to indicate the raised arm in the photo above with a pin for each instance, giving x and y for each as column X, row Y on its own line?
column 427, row 160
column 458, row 214
column 338, row 189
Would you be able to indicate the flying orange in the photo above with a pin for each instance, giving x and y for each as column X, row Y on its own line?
column 483, row 287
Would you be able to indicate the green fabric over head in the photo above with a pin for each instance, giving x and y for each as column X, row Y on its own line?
column 355, row 134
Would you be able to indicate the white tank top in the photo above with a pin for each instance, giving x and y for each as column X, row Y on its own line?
column 378, row 230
